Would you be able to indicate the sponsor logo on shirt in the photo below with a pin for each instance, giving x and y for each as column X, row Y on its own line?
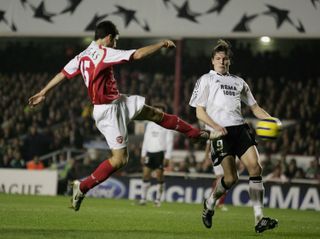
column 229, row 89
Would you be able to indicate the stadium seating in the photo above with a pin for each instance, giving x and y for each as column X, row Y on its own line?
column 285, row 90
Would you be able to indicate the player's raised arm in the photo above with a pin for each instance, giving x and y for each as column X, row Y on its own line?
column 149, row 50
column 41, row 95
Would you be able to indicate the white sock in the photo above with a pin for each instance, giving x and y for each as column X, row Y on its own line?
column 160, row 187
column 144, row 189
column 256, row 193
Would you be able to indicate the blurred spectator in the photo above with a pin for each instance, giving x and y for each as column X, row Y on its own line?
column 267, row 164
column 276, row 175
column 312, row 171
column 5, row 162
column 299, row 174
column 35, row 143
column 17, row 161
column 63, row 166
column 189, row 164
column 35, row 164
column 291, row 169
column 134, row 164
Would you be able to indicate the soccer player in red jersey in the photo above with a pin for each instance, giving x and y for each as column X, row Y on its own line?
column 112, row 111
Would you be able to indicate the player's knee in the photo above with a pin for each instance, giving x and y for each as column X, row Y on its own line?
column 255, row 170
column 230, row 180
column 151, row 114
column 119, row 162
column 155, row 115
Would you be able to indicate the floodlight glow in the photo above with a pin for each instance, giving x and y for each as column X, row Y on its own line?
column 265, row 39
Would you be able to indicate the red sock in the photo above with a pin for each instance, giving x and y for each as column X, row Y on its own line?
column 103, row 172
column 175, row 123
column 221, row 199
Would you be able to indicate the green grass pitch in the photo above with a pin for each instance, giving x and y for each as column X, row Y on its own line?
column 49, row 217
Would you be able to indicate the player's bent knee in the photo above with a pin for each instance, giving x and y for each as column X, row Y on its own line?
column 255, row 170
column 231, row 180
column 150, row 113
column 155, row 115
column 119, row 162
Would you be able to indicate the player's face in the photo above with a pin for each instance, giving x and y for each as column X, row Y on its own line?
column 221, row 62
column 112, row 41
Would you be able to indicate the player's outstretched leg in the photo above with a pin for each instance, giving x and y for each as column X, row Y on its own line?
column 207, row 215
column 77, row 195
column 266, row 223
column 175, row 123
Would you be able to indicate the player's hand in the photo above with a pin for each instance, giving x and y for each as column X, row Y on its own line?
column 36, row 99
column 221, row 130
column 168, row 44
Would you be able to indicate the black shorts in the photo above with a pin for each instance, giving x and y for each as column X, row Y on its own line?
column 236, row 142
column 154, row 160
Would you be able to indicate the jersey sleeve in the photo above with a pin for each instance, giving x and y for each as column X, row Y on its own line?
column 246, row 95
column 72, row 68
column 200, row 94
column 114, row 56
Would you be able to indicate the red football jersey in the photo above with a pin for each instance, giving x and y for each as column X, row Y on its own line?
column 96, row 67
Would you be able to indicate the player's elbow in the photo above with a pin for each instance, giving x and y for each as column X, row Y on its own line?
column 199, row 113
column 137, row 55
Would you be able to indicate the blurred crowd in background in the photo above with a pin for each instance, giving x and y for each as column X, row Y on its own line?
column 285, row 84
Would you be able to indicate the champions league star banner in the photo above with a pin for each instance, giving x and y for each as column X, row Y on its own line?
column 162, row 18
column 300, row 196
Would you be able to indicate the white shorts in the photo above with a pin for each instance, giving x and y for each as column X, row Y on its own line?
column 112, row 119
column 218, row 170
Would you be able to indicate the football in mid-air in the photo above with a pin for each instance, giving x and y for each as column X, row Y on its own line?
column 269, row 128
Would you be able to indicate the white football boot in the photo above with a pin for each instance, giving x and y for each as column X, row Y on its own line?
column 77, row 195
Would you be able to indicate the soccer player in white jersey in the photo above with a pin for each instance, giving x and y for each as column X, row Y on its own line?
column 112, row 111
column 156, row 152
column 217, row 98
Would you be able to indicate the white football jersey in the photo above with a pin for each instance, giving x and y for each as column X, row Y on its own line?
column 221, row 95
column 156, row 139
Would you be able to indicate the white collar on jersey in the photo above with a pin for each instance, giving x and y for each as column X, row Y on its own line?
column 216, row 73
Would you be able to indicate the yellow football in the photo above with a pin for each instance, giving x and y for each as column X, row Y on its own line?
column 268, row 128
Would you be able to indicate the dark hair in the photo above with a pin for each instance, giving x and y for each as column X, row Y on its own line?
column 105, row 28
column 224, row 46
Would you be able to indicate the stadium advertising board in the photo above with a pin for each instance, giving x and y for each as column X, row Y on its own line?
column 193, row 190
column 31, row 182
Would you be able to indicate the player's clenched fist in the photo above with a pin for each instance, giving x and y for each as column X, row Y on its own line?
column 168, row 44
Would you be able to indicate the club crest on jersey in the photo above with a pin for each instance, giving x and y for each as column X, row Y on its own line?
column 119, row 139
